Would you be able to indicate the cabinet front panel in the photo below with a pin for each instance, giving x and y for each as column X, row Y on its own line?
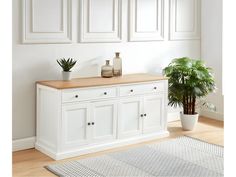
column 75, row 95
column 104, row 119
column 137, row 89
column 153, row 110
column 74, row 125
column 129, row 117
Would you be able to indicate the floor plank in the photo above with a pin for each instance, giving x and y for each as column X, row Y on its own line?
column 31, row 162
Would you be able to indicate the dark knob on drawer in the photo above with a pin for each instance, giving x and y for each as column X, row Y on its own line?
column 131, row 90
column 105, row 93
column 92, row 123
column 76, row 96
column 145, row 115
column 141, row 115
column 89, row 123
column 155, row 88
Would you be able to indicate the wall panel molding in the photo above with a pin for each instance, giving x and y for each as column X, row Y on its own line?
column 184, row 19
column 107, row 25
column 142, row 28
column 53, row 25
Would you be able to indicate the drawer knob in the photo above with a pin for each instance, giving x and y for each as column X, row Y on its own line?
column 76, row 96
column 89, row 123
column 155, row 88
column 141, row 115
column 105, row 93
column 92, row 123
column 131, row 90
column 145, row 115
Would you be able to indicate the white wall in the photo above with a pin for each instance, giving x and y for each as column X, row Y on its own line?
column 211, row 51
column 32, row 62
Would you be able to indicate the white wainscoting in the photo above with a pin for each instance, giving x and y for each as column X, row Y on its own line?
column 184, row 19
column 100, row 21
column 22, row 144
column 146, row 20
column 46, row 21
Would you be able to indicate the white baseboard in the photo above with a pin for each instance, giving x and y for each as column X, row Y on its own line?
column 173, row 116
column 212, row 115
column 22, row 144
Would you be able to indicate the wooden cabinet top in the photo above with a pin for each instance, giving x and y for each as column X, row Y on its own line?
column 99, row 81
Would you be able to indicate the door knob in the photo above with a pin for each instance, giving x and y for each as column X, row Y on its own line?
column 131, row 90
column 89, row 123
column 141, row 115
column 145, row 115
column 76, row 96
column 155, row 88
column 92, row 123
column 105, row 93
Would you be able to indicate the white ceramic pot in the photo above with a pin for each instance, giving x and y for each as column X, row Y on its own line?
column 66, row 76
column 188, row 121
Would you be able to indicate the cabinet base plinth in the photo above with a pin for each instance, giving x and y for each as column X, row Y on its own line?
column 99, row 147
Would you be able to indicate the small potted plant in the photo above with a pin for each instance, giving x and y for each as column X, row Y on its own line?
column 66, row 65
column 189, row 81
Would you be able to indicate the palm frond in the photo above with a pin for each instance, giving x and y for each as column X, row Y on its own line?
column 189, row 80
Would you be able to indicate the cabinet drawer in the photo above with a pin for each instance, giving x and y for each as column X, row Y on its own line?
column 88, row 94
column 141, row 89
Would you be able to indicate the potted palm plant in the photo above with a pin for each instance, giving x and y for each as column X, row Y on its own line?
column 67, row 65
column 189, row 80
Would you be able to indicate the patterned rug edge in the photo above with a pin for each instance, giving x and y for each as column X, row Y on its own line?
column 51, row 170
column 201, row 140
column 47, row 167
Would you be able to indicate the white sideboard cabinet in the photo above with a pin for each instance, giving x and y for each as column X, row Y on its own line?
column 92, row 114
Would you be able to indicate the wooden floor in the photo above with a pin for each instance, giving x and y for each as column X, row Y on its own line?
column 31, row 162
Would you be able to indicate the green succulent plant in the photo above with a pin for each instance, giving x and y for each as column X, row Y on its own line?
column 189, row 80
column 66, row 64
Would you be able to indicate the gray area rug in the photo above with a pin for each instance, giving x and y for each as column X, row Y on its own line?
column 182, row 157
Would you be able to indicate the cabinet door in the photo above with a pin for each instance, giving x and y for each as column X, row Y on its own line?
column 153, row 113
column 75, row 128
column 103, row 120
column 129, row 121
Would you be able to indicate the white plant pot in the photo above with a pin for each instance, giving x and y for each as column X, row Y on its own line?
column 188, row 121
column 66, row 76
